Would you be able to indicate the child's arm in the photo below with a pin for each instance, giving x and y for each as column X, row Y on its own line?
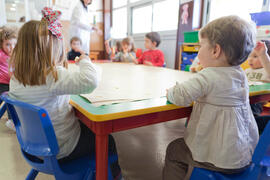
column 261, row 51
column 139, row 60
column 107, row 46
column 76, row 82
column 185, row 93
column 159, row 61
column 148, row 63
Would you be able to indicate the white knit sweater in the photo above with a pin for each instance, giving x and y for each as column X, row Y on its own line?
column 55, row 96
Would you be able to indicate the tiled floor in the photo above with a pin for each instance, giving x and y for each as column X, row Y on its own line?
column 141, row 151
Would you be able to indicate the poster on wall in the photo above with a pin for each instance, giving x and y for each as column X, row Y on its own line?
column 189, row 19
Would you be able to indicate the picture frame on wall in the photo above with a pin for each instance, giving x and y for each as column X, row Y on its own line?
column 189, row 19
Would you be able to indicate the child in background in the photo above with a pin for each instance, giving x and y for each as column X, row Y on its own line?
column 222, row 133
column 127, row 53
column 195, row 66
column 8, row 39
column 152, row 56
column 43, row 80
column 259, row 70
column 259, row 65
column 113, row 51
column 76, row 48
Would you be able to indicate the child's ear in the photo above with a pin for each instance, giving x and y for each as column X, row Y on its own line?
column 155, row 44
column 216, row 50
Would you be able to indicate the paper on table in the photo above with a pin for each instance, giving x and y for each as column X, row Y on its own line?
column 254, row 83
column 128, row 82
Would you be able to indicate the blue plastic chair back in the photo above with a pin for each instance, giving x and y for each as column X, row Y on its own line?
column 262, row 149
column 39, row 145
column 34, row 130
column 259, row 168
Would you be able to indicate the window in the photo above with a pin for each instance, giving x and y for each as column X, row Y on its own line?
column 119, row 3
column 165, row 18
column 142, row 16
column 142, row 19
column 241, row 8
column 119, row 28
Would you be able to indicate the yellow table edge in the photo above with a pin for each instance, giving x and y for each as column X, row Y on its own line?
column 136, row 112
column 118, row 115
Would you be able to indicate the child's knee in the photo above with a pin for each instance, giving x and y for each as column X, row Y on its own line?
column 174, row 148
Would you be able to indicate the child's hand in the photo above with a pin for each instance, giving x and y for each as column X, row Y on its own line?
column 78, row 59
column 147, row 63
column 79, row 50
column 193, row 69
column 99, row 32
column 135, row 61
column 260, row 49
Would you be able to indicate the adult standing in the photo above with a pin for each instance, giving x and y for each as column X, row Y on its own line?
column 80, row 24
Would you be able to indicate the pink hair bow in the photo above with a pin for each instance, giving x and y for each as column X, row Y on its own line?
column 52, row 18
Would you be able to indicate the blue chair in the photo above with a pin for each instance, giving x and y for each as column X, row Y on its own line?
column 39, row 146
column 259, row 168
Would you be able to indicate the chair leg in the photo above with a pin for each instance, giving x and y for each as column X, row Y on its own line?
column 32, row 175
column 3, row 109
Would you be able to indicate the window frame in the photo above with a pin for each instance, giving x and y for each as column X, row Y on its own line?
column 207, row 7
column 130, row 6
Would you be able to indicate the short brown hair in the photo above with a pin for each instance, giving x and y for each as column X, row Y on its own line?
column 154, row 37
column 36, row 54
column 129, row 41
column 7, row 33
column 235, row 36
column 75, row 38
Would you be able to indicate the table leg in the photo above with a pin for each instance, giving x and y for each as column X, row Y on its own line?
column 101, row 157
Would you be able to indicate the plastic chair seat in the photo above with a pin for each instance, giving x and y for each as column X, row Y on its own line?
column 258, row 170
column 39, row 145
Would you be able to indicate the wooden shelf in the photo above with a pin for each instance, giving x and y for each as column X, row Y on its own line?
column 94, row 55
column 194, row 44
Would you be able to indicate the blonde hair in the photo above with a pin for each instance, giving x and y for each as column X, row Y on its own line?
column 7, row 33
column 36, row 54
column 129, row 41
column 235, row 36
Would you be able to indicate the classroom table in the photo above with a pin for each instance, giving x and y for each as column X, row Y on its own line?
column 106, row 119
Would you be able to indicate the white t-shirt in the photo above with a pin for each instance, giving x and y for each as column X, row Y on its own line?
column 221, row 129
column 54, row 97
column 257, row 75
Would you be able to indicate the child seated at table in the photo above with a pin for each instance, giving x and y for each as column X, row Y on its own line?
column 76, row 48
column 259, row 70
column 152, row 56
column 40, row 77
column 114, row 50
column 221, row 134
column 8, row 39
column 127, row 53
